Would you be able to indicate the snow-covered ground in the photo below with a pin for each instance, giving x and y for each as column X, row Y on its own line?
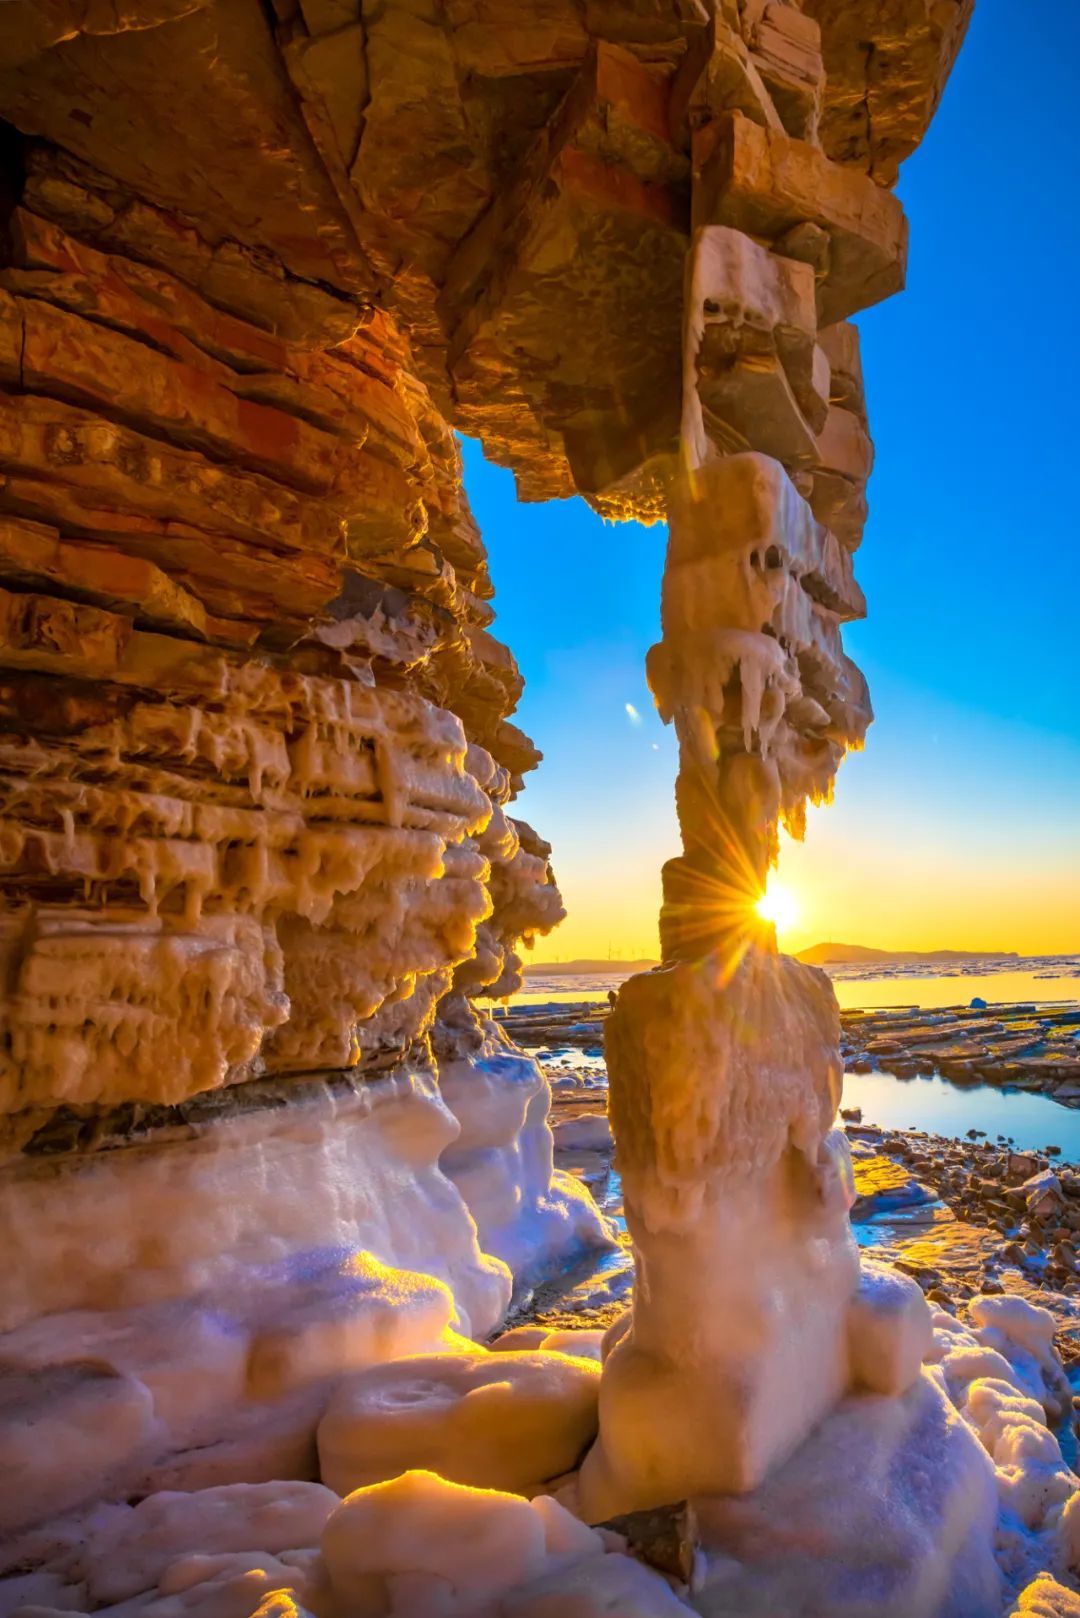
column 947, row 1503
column 449, row 1475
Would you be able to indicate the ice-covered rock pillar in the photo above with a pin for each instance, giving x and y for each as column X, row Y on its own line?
column 724, row 1063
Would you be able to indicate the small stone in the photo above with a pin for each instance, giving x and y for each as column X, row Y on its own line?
column 1043, row 1195
column 665, row 1537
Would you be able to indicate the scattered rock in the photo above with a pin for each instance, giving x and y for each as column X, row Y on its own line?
column 1042, row 1195
column 665, row 1537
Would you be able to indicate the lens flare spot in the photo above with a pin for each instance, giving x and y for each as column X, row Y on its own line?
column 779, row 905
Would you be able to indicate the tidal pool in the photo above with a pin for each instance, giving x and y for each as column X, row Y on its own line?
column 1033, row 1121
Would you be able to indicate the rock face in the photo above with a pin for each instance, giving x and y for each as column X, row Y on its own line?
column 258, row 264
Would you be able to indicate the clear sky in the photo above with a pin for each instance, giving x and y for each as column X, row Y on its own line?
column 960, row 824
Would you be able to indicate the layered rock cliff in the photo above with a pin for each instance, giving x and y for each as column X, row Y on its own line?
column 259, row 264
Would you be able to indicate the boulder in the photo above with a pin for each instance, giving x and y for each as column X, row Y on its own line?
column 508, row 1421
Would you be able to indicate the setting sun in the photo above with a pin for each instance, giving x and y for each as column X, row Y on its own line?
column 779, row 905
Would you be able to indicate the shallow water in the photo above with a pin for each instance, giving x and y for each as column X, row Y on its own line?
column 941, row 1108
column 1043, row 980
column 567, row 991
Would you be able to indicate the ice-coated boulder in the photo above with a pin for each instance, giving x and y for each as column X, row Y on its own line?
column 496, row 1421
column 66, row 1433
column 595, row 1587
column 463, row 1542
column 361, row 1312
column 583, row 1344
column 419, row 1545
column 589, row 1133
column 519, row 1337
column 888, row 1509
column 1046, row 1598
column 889, row 1330
column 1024, row 1334
column 140, row 1543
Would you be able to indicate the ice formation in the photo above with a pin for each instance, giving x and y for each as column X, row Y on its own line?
column 511, row 1421
column 737, row 1200
column 268, row 1169
column 528, row 1213
column 257, row 774
column 948, row 1501
column 724, row 1063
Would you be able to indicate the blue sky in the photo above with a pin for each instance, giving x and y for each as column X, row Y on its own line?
column 960, row 823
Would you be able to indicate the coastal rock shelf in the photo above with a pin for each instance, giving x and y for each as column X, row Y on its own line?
column 1032, row 1047
column 1015, row 1215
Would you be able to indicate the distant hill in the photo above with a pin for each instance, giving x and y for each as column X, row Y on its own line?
column 852, row 954
column 608, row 968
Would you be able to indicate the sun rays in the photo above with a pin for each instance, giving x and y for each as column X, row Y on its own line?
column 779, row 905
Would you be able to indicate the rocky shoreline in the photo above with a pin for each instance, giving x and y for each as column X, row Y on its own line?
column 965, row 1217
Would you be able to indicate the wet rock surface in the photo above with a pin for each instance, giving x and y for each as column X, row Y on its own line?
column 1030, row 1046
column 966, row 1216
